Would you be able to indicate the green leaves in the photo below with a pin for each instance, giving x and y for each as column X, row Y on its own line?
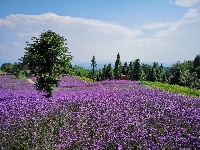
column 47, row 57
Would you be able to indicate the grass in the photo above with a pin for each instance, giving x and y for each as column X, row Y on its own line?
column 84, row 79
column 173, row 88
column 2, row 71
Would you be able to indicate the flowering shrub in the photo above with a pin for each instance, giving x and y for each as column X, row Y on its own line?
column 116, row 114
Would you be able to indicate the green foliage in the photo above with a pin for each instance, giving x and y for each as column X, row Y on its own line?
column 47, row 57
column 183, row 74
column 196, row 62
column 197, row 70
column 20, row 75
column 130, row 71
column 102, row 73
column 190, row 80
column 7, row 67
column 109, row 72
column 79, row 71
column 84, row 79
column 173, row 88
column 117, row 68
column 93, row 64
column 125, row 69
column 137, row 70
column 175, row 79
column 106, row 73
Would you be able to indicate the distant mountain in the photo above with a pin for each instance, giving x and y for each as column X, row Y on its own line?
column 87, row 65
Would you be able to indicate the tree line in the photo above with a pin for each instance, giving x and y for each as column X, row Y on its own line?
column 186, row 73
column 48, row 58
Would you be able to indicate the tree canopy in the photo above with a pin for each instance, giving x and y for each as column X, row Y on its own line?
column 47, row 57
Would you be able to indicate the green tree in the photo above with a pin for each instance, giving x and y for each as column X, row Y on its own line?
column 99, row 74
column 80, row 71
column 157, row 71
column 189, row 79
column 19, row 70
column 7, row 67
column 176, row 78
column 125, row 69
column 145, row 71
column 117, row 68
column 93, row 64
column 137, row 70
column 163, row 77
column 196, row 62
column 47, row 57
column 109, row 73
column 130, row 71
column 103, row 73
column 197, row 70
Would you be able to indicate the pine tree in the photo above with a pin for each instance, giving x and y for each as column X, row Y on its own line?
column 125, row 69
column 109, row 73
column 137, row 70
column 130, row 71
column 117, row 68
column 93, row 64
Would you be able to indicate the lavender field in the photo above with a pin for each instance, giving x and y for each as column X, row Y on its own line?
column 101, row 115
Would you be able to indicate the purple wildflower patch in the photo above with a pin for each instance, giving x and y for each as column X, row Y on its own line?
column 117, row 114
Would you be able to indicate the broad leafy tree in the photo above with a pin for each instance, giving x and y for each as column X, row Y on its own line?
column 47, row 57
column 7, row 67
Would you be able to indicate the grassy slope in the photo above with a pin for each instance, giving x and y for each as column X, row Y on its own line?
column 84, row 79
column 173, row 88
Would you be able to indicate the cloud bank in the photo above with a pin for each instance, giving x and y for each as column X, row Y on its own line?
column 86, row 37
column 186, row 3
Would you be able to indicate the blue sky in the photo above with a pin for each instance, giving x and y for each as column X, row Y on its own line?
column 165, row 31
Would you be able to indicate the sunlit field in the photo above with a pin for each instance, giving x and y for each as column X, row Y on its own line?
column 116, row 114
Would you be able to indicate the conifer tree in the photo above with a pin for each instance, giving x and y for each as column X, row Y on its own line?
column 93, row 64
column 109, row 73
column 137, row 70
column 117, row 68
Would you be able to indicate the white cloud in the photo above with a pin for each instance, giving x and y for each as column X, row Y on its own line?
column 53, row 19
column 186, row 3
column 23, row 34
column 156, row 26
column 193, row 14
column 6, row 22
column 87, row 37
